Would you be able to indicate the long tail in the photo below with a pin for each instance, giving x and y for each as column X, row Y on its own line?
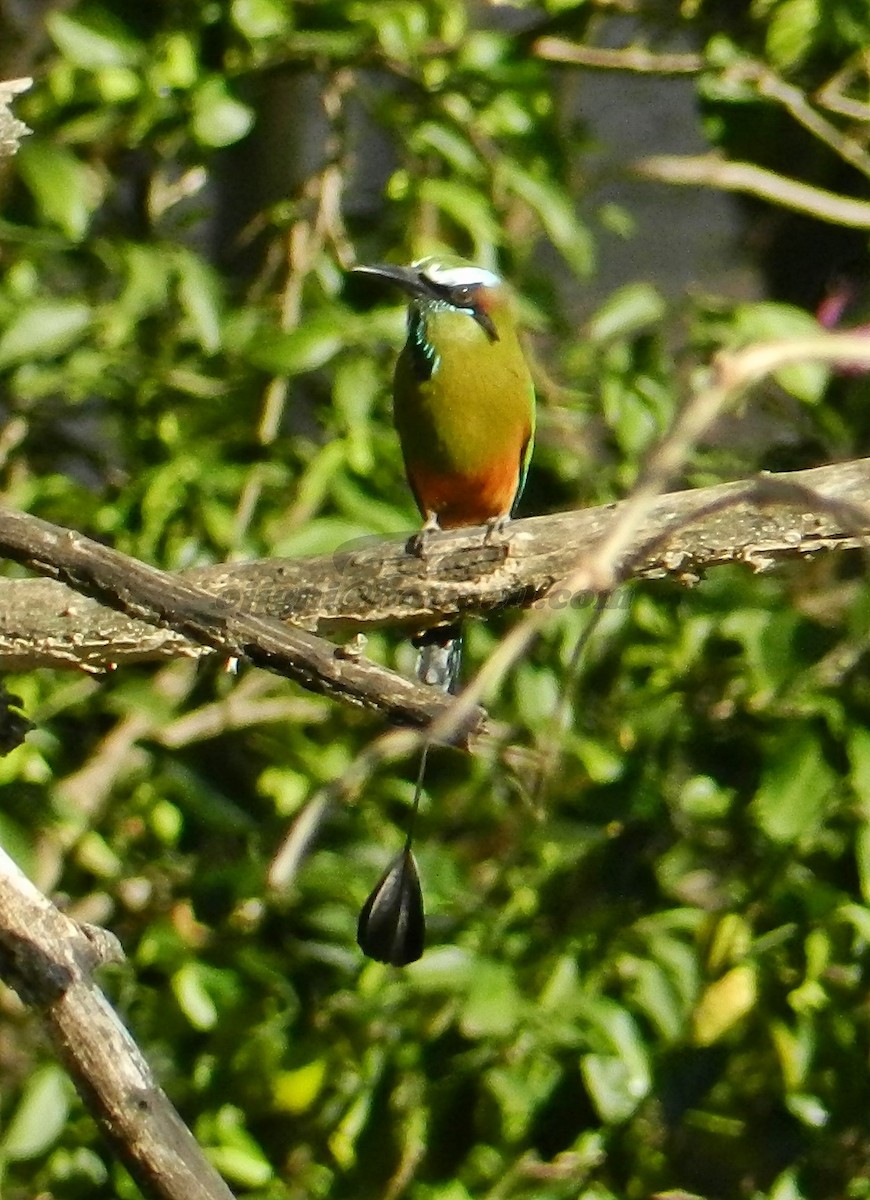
column 440, row 657
column 392, row 923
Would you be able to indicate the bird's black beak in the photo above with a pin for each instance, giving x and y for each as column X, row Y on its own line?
column 419, row 287
column 409, row 279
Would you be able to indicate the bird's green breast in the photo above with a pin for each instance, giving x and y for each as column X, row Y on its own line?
column 462, row 401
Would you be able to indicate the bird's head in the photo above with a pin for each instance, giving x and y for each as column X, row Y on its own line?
column 447, row 283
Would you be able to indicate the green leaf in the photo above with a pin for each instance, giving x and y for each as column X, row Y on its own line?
column 191, row 992
column 858, row 749
column 654, row 994
column 469, row 208
column 401, row 27
column 725, row 1002
column 219, row 118
column 612, row 1087
column 40, row 1116
column 296, row 1091
column 862, row 859
column 628, row 311
column 307, row 348
column 196, row 985
column 794, row 1049
column 118, row 85
column 173, row 62
column 557, row 212
column 493, row 1006
column 442, row 969
column 43, row 330
column 200, row 298
column 66, row 190
column 447, row 142
column 520, row 1090
column 258, row 19
column 792, row 31
column 618, row 1079
column 96, row 39
column 356, row 386
column 242, row 1166
column 794, row 791
column 769, row 320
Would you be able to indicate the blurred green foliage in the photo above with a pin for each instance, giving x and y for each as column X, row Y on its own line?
column 654, row 974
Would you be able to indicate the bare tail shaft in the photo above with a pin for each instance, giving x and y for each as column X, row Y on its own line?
column 440, row 657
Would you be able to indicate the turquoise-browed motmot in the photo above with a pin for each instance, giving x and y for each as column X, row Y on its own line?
column 464, row 408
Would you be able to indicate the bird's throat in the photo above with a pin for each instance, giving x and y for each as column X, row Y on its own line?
column 424, row 356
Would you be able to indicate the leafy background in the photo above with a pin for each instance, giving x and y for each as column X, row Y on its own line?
column 650, row 975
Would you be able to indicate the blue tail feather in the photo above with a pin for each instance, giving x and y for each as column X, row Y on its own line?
column 440, row 657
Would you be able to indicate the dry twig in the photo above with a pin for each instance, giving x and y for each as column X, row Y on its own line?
column 711, row 170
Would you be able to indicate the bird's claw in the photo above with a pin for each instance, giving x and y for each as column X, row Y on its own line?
column 354, row 649
column 418, row 545
column 497, row 533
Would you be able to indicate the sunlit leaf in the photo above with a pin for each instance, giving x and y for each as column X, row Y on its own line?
column 219, row 118
column 94, row 39
column 66, row 189
column 795, row 790
column 43, row 330
column 40, row 1115
column 725, row 1002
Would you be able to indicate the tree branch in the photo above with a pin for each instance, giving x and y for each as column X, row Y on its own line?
column 635, row 59
column 794, row 100
column 711, row 170
column 49, row 960
column 202, row 618
column 228, row 608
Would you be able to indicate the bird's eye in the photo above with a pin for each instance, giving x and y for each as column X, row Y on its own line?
column 463, row 297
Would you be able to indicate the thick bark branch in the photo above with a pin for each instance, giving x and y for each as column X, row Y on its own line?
column 204, row 619
column 378, row 584
column 49, row 960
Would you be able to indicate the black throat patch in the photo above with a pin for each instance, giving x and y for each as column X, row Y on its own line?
column 423, row 354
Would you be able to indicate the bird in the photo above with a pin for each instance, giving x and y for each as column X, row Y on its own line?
column 464, row 410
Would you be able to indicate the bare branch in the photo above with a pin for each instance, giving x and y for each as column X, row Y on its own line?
column 635, row 59
column 837, row 95
column 711, row 170
column 158, row 598
column 49, row 961
column 794, row 100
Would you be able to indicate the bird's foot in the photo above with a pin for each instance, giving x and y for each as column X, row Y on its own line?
column 418, row 545
column 497, row 533
column 353, row 650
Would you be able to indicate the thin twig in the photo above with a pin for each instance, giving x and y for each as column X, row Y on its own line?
column 794, row 100
column 634, row 59
column 710, row 170
column 832, row 95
